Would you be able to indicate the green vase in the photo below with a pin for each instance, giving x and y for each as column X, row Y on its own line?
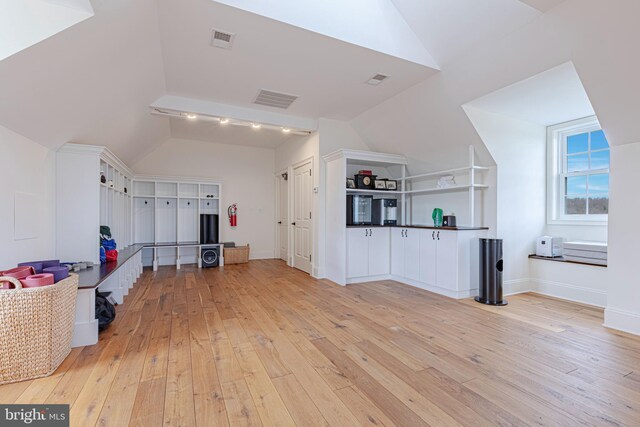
column 437, row 217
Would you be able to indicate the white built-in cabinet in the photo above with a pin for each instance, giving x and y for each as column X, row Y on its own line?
column 405, row 254
column 84, row 203
column 154, row 210
column 367, row 252
column 439, row 260
column 166, row 215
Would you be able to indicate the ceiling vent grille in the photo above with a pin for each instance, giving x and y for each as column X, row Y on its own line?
column 377, row 79
column 222, row 39
column 274, row 99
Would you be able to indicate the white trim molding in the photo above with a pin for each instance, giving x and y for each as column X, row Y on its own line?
column 622, row 320
column 516, row 286
column 566, row 291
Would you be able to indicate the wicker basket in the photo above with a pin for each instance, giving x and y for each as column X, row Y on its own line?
column 36, row 327
column 237, row 255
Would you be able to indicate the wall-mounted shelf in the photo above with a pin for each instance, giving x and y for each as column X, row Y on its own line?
column 365, row 191
column 446, row 189
column 445, row 172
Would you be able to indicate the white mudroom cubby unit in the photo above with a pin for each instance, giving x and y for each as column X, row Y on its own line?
column 84, row 202
column 166, row 217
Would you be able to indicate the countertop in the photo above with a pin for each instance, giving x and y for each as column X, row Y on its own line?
column 428, row 227
column 93, row 277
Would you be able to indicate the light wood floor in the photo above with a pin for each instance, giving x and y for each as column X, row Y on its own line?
column 262, row 344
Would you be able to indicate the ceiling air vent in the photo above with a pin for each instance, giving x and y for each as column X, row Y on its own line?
column 377, row 79
column 222, row 39
column 274, row 99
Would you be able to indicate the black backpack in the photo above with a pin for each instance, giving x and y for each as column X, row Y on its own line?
column 105, row 311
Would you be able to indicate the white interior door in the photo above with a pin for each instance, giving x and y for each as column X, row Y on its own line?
column 283, row 218
column 302, row 231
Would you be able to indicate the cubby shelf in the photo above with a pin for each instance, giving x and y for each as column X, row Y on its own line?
column 171, row 217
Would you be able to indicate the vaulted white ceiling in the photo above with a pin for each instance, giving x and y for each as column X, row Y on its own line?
column 327, row 74
column 551, row 97
column 450, row 28
column 93, row 83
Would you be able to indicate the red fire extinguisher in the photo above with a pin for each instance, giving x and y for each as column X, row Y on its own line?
column 233, row 214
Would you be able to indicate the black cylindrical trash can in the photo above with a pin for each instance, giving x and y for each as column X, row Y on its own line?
column 491, row 272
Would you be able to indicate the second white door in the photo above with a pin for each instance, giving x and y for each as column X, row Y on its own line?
column 283, row 218
column 302, row 205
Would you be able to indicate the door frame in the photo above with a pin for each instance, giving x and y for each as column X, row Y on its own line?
column 314, row 215
column 278, row 178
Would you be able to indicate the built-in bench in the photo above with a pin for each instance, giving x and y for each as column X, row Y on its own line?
column 116, row 277
column 563, row 259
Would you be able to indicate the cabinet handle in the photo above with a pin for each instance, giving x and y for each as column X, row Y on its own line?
column 438, row 235
column 370, row 232
column 433, row 235
column 366, row 232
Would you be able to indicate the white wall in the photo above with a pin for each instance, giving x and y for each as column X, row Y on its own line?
column 247, row 175
column 518, row 148
column 27, row 168
column 623, row 299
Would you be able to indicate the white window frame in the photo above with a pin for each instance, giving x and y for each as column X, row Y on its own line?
column 556, row 157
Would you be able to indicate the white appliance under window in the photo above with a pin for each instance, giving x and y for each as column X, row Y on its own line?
column 548, row 246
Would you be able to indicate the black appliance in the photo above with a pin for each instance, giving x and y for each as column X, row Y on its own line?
column 208, row 229
column 210, row 256
column 449, row 221
column 385, row 212
column 359, row 209
column 365, row 181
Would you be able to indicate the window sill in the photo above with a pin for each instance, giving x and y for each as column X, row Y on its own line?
column 577, row 222
column 561, row 259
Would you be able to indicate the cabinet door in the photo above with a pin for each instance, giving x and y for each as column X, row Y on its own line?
column 447, row 260
column 357, row 252
column 428, row 256
column 412, row 254
column 397, row 251
column 379, row 243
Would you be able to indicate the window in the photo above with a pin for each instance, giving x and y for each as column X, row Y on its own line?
column 578, row 157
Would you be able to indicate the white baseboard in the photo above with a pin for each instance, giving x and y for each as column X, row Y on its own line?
column 622, row 320
column 571, row 292
column 561, row 290
column 261, row 255
column 516, row 286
